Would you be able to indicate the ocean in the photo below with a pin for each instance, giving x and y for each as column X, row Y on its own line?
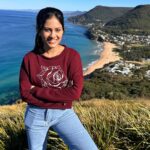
column 17, row 33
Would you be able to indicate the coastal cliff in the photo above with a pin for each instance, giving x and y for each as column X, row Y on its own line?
column 120, row 28
column 99, row 15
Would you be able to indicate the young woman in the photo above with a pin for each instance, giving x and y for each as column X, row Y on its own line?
column 51, row 78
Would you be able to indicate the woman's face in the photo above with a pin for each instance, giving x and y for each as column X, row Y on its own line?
column 51, row 33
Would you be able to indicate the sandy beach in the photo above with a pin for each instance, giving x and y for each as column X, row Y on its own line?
column 106, row 56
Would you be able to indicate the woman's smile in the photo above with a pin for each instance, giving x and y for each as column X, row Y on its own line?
column 51, row 41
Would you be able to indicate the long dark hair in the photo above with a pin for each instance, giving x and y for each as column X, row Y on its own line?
column 41, row 18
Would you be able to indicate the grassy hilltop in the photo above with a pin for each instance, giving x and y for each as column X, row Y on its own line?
column 113, row 125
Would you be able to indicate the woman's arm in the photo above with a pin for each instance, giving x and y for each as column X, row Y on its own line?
column 68, row 93
column 25, row 85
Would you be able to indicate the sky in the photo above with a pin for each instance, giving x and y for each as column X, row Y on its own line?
column 68, row 5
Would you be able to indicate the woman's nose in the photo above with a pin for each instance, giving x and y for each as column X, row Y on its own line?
column 53, row 34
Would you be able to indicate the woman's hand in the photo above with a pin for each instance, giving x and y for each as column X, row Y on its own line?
column 32, row 86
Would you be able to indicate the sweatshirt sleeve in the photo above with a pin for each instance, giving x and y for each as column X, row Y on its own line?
column 25, row 85
column 68, row 93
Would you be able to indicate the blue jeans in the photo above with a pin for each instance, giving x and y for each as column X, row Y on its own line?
column 64, row 121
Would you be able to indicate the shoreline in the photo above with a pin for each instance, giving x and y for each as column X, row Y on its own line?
column 106, row 56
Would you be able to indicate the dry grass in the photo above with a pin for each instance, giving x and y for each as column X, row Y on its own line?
column 114, row 125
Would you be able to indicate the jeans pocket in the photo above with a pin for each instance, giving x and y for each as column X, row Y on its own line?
column 34, row 116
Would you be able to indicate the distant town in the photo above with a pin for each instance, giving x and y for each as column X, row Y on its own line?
column 129, row 29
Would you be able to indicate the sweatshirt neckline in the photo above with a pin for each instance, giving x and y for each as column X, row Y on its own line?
column 57, row 56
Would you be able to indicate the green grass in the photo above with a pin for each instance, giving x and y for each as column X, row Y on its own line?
column 114, row 125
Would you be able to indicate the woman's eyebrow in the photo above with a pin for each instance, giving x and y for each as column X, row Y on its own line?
column 50, row 28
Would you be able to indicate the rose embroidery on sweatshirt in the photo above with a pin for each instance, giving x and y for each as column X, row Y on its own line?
column 52, row 76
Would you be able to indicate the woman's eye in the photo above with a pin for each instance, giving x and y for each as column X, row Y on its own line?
column 57, row 30
column 50, row 30
column 47, row 30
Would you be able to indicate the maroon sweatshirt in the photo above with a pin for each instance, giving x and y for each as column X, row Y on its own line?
column 57, row 80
